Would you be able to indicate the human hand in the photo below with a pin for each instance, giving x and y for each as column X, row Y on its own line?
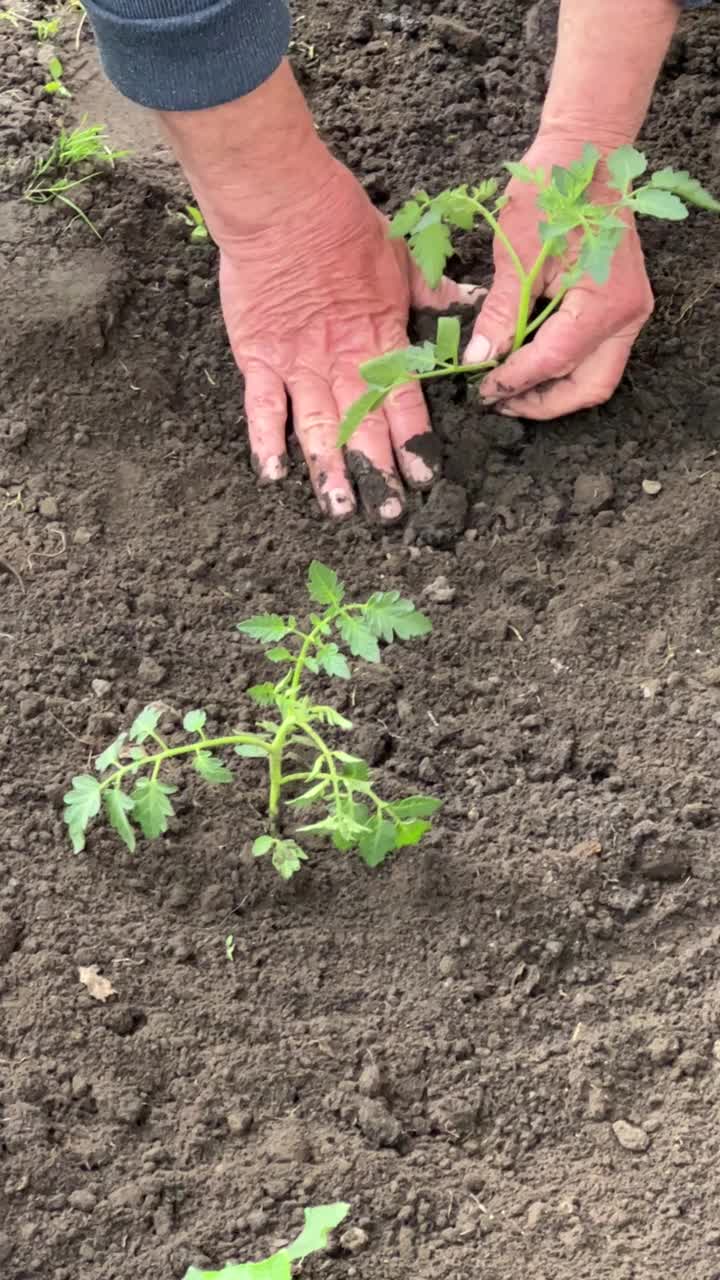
column 305, row 303
column 578, row 356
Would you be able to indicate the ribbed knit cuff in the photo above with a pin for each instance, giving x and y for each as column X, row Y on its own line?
column 185, row 55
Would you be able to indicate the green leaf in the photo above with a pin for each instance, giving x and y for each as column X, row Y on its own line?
column 111, row 755
column 311, row 795
column 262, row 845
column 333, row 662
column 432, row 247
column 277, row 1267
column 250, row 751
column 319, row 1222
column 145, row 723
column 394, row 367
column 330, row 716
column 456, row 207
column 324, row 586
column 212, row 769
column 263, row 694
column 55, row 68
column 359, row 639
column 410, row 833
column 523, row 172
column 268, row 628
column 354, row 766
column 598, row 252
column 280, row 654
column 288, row 858
column 486, row 190
column 405, row 220
column 689, row 189
column 656, row 203
column 415, row 807
column 367, row 403
column 625, row 165
column 377, row 843
column 152, row 808
column 194, row 721
column 388, row 615
column 82, row 804
column 118, row 806
column 447, row 342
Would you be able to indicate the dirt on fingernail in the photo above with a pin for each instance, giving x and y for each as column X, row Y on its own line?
column 428, row 448
column 373, row 486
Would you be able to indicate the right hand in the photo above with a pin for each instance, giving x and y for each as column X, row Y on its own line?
column 577, row 358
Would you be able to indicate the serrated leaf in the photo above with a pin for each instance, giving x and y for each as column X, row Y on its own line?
column 486, row 190
column 354, row 767
column 456, row 207
column 447, row 341
column 333, row 661
column 410, row 833
column 319, row 1222
column 268, row 628
column 312, row 664
column 375, row 845
column 395, row 367
column 145, row 723
column 111, row 755
column 523, row 172
column 598, row 252
column 323, row 584
column 653, row 202
column 288, row 858
column 359, row 638
column 415, row 807
column 212, row 769
column 405, row 220
column 280, row 654
column 367, row 403
column 313, row 793
column 626, row 164
column 262, row 845
column 263, row 694
column 689, row 189
column 151, row 806
column 118, row 806
column 250, row 751
column 389, row 615
column 431, row 247
column 347, row 839
column 330, row 716
column 194, row 721
column 82, row 804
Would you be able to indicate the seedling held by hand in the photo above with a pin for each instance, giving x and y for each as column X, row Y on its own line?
column 355, row 817
column 573, row 228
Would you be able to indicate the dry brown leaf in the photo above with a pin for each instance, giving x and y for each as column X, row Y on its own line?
column 98, row 987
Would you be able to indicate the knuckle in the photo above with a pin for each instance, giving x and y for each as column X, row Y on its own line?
column 316, row 421
column 265, row 404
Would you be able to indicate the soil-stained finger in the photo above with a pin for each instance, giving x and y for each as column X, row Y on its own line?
column 316, row 421
column 416, row 449
column 266, row 409
column 590, row 384
column 369, row 455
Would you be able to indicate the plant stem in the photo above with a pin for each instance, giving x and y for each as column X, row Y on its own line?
column 275, row 763
column 499, row 234
column 189, row 748
column 545, row 313
column 526, row 296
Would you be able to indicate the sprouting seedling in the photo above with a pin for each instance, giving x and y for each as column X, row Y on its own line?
column 10, row 16
column 55, row 83
column 319, row 1222
column 230, row 947
column 46, row 29
column 566, row 209
column 304, row 769
column 55, row 173
column 192, row 217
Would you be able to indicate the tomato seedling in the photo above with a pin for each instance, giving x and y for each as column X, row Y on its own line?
column 319, row 1222
column 319, row 774
column 573, row 228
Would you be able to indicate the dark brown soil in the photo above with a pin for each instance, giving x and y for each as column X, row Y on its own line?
column 448, row 1042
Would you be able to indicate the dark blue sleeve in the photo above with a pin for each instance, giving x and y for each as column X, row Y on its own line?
column 184, row 55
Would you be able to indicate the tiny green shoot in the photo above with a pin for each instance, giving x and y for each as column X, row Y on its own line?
column 80, row 8
column 230, row 947
column 319, row 1222
column 577, row 231
column 56, row 172
column 193, row 218
column 305, row 770
column 55, row 83
column 10, row 16
column 46, row 28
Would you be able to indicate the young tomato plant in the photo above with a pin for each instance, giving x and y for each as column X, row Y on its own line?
column 319, row 1222
column 573, row 228
column 304, row 769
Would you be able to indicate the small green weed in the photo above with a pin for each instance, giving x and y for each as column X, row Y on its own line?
column 426, row 223
column 46, row 28
column 10, row 16
column 53, row 175
column 319, row 1222
column 55, row 83
column 193, row 218
column 355, row 817
column 230, row 947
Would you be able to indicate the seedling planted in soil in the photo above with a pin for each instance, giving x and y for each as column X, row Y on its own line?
column 56, row 172
column 319, row 774
column 319, row 1222
column 193, row 218
column 55, row 83
column 580, row 233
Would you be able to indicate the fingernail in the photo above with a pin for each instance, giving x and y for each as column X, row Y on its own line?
column 478, row 350
column 339, row 503
column 273, row 469
column 390, row 510
column 417, row 471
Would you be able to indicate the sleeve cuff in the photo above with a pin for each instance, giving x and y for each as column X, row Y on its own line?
column 187, row 55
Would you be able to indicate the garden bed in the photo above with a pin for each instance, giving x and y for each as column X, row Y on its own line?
column 457, row 1042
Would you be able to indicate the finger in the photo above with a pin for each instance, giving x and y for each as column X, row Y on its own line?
column 266, row 410
column 566, row 339
column 494, row 330
column 315, row 418
column 416, row 448
column 447, row 294
column 591, row 383
column 370, row 459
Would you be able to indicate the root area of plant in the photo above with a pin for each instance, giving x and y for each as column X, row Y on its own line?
column 503, row 1049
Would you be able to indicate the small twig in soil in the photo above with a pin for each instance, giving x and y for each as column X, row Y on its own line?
column 13, row 573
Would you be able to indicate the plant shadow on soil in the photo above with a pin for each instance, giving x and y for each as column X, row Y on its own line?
column 447, row 1042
